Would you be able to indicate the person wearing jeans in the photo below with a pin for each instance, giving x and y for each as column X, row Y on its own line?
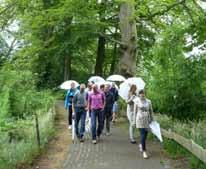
column 144, row 116
column 96, row 103
column 79, row 107
column 68, row 103
column 108, row 108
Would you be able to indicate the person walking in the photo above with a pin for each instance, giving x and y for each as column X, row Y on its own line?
column 96, row 104
column 143, row 108
column 131, row 113
column 114, row 91
column 68, row 103
column 79, row 110
column 108, row 108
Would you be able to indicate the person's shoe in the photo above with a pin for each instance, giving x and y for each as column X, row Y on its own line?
column 133, row 142
column 108, row 134
column 94, row 141
column 145, row 156
column 81, row 140
column 69, row 127
column 140, row 148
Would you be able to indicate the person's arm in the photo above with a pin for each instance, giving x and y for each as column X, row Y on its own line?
column 66, row 100
column 74, row 101
column 104, row 100
column 130, row 99
column 89, row 102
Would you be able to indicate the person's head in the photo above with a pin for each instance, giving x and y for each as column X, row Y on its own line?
column 113, row 85
column 72, row 85
column 102, row 87
column 82, row 87
column 89, row 85
column 142, row 94
column 133, row 89
column 107, row 87
column 95, row 87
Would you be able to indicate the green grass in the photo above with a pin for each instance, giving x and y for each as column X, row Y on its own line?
column 176, row 151
column 23, row 150
column 192, row 129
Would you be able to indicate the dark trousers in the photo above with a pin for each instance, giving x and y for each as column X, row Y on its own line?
column 70, row 115
column 143, row 137
column 97, row 115
column 107, row 118
column 80, row 114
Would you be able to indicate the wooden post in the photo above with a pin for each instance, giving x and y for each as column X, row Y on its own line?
column 37, row 130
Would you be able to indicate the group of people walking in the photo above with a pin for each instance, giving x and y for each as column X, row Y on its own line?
column 101, row 105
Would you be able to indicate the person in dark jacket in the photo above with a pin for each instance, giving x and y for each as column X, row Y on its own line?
column 114, row 91
column 108, row 108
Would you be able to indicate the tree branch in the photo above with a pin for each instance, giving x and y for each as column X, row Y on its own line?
column 111, row 39
column 162, row 12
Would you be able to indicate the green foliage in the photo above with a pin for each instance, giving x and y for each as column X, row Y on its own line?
column 19, row 146
column 177, row 152
column 174, row 81
column 191, row 130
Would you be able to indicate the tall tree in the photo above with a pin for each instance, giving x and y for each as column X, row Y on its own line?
column 129, row 39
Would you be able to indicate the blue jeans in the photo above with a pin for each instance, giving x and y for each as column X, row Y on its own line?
column 143, row 137
column 97, row 114
column 80, row 114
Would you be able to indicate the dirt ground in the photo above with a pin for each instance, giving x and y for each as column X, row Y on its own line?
column 58, row 147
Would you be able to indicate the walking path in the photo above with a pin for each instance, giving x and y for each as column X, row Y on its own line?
column 114, row 152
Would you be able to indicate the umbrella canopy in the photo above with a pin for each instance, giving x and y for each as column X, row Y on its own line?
column 136, row 81
column 124, row 90
column 96, row 79
column 155, row 129
column 67, row 85
column 116, row 78
column 125, row 86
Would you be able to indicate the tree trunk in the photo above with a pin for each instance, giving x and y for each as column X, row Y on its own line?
column 127, row 64
column 67, row 68
column 100, row 56
column 114, row 59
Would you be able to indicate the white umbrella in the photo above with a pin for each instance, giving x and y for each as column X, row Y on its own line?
column 124, row 90
column 96, row 79
column 136, row 81
column 67, row 84
column 155, row 129
column 116, row 78
column 125, row 86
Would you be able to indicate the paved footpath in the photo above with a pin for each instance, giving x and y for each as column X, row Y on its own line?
column 114, row 152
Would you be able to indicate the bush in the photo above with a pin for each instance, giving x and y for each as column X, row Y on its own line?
column 176, row 84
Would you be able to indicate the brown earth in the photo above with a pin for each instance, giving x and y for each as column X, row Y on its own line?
column 58, row 147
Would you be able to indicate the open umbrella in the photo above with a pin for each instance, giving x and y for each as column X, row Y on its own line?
column 116, row 78
column 136, row 81
column 96, row 79
column 125, row 86
column 155, row 129
column 67, row 84
column 124, row 90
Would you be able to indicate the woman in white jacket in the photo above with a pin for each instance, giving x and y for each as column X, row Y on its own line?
column 144, row 116
column 131, row 115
